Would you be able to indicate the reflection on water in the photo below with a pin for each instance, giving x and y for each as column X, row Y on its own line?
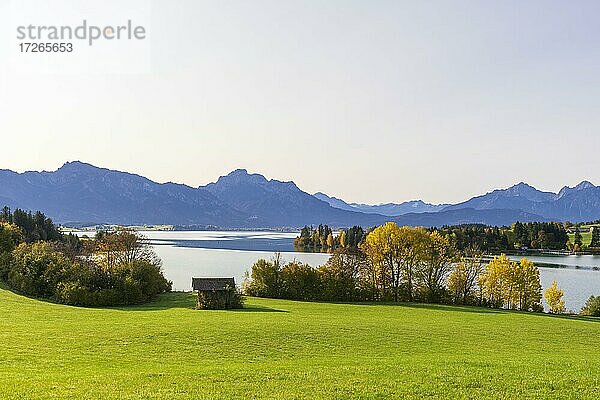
column 574, row 261
column 211, row 253
column 182, row 263
column 256, row 241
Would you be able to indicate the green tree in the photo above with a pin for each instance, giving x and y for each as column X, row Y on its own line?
column 340, row 277
column 35, row 227
column 577, row 239
column 265, row 278
column 124, row 246
column 542, row 240
column 10, row 237
column 36, row 269
column 6, row 215
column 299, row 282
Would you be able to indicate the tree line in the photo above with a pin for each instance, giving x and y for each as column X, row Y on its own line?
column 531, row 235
column 33, row 226
column 396, row 263
column 114, row 268
column 489, row 239
column 322, row 238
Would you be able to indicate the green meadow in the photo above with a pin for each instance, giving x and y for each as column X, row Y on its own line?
column 279, row 349
column 586, row 237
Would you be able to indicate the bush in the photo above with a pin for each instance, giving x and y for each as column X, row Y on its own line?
column 10, row 236
column 339, row 277
column 5, row 263
column 39, row 270
column 266, row 279
column 140, row 281
column 299, row 282
column 74, row 294
column 337, row 280
column 220, row 300
column 592, row 307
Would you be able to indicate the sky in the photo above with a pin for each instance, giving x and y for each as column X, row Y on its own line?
column 369, row 101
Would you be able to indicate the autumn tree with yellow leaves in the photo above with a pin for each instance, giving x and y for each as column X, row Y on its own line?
column 513, row 285
column 402, row 263
column 439, row 259
column 554, row 298
column 462, row 282
column 409, row 262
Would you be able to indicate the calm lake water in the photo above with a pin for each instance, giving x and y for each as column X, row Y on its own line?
column 213, row 253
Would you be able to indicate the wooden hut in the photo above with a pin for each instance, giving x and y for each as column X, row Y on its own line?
column 216, row 293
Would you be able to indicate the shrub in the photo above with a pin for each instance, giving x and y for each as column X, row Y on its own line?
column 220, row 300
column 140, row 281
column 39, row 270
column 592, row 307
column 339, row 277
column 299, row 282
column 266, row 279
column 5, row 263
column 10, row 236
column 72, row 293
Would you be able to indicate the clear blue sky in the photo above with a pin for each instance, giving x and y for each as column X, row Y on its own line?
column 371, row 101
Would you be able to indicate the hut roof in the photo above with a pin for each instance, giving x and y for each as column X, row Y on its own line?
column 203, row 284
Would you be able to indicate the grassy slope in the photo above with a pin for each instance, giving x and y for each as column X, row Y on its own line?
column 586, row 237
column 281, row 349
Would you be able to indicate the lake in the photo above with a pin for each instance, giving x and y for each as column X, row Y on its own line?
column 187, row 254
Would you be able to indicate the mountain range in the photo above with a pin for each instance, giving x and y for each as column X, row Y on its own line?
column 389, row 209
column 80, row 193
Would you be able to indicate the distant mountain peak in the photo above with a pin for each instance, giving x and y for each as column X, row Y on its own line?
column 387, row 209
column 241, row 175
column 75, row 169
column 584, row 185
column 521, row 187
column 77, row 165
column 520, row 190
column 581, row 186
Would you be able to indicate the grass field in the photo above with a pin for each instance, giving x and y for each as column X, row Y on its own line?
column 586, row 237
column 282, row 349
